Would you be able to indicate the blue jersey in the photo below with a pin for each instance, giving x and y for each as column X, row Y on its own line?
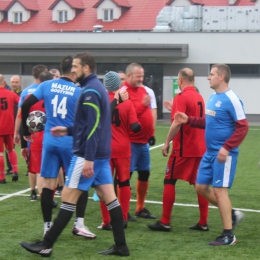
column 222, row 111
column 28, row 91
column 60, row 97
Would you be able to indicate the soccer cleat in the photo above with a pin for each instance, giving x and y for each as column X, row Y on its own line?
column 237, row 217
column 83, row 231
column 116, row 250
column 105, row 227
column 55, row 204
column 33, row 197
column 145, row 213
column 15, row 176
column 8, row 171
column 159, row 226
column 130, row 218
column 3, row 181
column 37, row 248
column 200, row 227
column 224, row 240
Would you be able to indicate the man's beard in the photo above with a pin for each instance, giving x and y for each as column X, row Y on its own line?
column 80, row 78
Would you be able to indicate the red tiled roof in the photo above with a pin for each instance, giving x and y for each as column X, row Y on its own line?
column 27, row 4
column 121, row 3
column 75, row 4
column 218, row 2
column 141, row 16
column 4, row 5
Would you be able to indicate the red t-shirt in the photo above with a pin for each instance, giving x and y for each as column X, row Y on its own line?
column 8, row 101
column 144, row 115
column 123, row 116
column 189, row 142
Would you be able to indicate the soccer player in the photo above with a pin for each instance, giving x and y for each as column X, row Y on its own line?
column 123, row 118
column 140, row 158
column 90, row 163
column 188, row 147
column 60, row 97
column 37, row 146
column 225, row 128
column 55, row 73
column 8, row 101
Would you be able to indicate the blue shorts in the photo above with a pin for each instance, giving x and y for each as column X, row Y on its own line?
column 53, row 158
column 140, row 158
column 75, row 179
column 217, row 174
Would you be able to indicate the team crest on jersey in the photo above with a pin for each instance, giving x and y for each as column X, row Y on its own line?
column 218, row 104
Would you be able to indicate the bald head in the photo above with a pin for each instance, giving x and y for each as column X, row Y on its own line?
column 2, row 80
column 185, row 78
column 15, row 82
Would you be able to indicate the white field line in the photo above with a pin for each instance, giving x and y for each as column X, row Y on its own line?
column 14, row 194
column 21, row 193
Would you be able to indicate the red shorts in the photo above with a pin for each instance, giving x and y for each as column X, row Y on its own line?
column 122, row 167
column 182, row 168
column 35, row 161
column 8, row 141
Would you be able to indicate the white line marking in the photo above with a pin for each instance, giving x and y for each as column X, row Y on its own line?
column 14, row 194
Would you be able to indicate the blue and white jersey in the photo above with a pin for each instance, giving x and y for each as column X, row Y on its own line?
column 27, row 91
column 222, row 112
column 60, row 97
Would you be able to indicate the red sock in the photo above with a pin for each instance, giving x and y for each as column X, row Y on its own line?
column 12, row 156
column 2, row 168
column 168, row 201
column 204, row 210
column 105, row 213
column 141, row 190
column 124, row 198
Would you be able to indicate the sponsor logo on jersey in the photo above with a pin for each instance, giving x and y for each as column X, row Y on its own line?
column 62, row 89
column 210, row 112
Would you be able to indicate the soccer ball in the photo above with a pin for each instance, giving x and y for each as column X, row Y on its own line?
column 36, row 121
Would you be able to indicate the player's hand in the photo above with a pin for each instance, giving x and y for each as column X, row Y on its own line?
column 88, row 169
column 146, row 100
column 58, row 131
column 168, row 105
column 180, row 118
column 25, row 153
column 151, row 141
column 123, row 94
column 165, row 149
column 17, row 139
column 222, row 155
column 28, row 138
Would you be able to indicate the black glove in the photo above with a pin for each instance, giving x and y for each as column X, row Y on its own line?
column 151, row 141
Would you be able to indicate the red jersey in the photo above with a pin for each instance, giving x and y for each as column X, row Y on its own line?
column 123, row 116
column 8, row 101
column 144, row 115
column 189, row 142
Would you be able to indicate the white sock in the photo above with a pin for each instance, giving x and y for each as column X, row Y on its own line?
column 79, row 222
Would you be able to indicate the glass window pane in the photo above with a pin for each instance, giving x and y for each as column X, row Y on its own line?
column 66, row 16
column 105, row 15
column 111, row 14
column 60, row 17
column 16, row 17
column 21, row 17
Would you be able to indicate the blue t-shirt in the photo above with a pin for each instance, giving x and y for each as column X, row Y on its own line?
column 222, row 112
column 27, row 91
column 60, row 97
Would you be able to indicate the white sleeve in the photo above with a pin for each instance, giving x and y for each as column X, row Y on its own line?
column 151, row 94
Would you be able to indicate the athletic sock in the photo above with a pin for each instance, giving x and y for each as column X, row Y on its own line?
column 2, row 168
column 105, row 213
column 124, row 198
column 141, row 191
column 227, row 232
column 204, row 210
column 60, row 222
column 46, row 204
column 168, row 201
column 12, row 156
column 33, row 192
column 81, row 208
column 117, row 222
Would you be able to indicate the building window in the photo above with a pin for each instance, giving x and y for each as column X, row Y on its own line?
column 63, row 16
column 18, row 17
column 108, row 15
